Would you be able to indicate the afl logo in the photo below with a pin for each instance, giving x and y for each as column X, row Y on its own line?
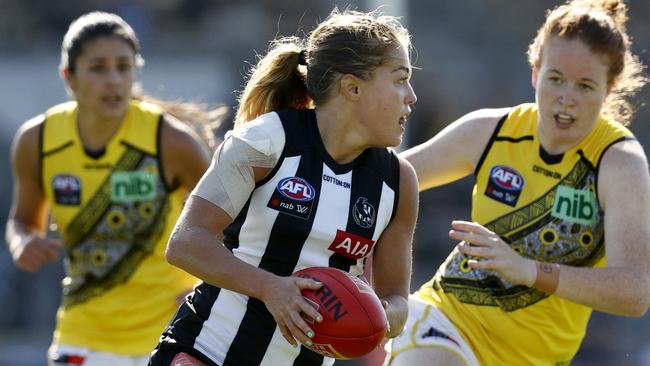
column 506, row 177
column 296, row 188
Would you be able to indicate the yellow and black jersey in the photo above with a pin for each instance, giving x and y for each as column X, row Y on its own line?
column 114, row 213
column 546, row 208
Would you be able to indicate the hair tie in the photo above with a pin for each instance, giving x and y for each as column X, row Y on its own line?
column 302, row 57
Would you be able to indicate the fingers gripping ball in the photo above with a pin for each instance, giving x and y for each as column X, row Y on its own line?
column 354, row 321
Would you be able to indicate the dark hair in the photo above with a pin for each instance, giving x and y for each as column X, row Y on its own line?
column 601, row 25
column 88, row 27
column 91, row 26
column 347, row 42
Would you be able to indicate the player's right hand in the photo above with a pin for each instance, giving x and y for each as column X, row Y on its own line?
column 283, row 298
column 33, row 251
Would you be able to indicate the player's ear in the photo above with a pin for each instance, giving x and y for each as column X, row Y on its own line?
column 68, row 78
column 350, row 87
column 533, row 76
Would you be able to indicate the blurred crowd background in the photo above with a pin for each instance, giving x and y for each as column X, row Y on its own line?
column 469, row 54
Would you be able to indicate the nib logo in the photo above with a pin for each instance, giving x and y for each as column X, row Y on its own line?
column 575, row 205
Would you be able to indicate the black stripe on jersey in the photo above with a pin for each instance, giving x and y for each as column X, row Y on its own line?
column 365, row 190
column 56, row 149
column 308, row 357
column 231, row 232
column 41, row 139
column 169, row 186
column 549, row 158
column 490, row 142
column 188, row 321
column 514, row 140
column 280, row 257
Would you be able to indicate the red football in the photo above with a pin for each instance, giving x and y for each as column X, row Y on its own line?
column 354, row 321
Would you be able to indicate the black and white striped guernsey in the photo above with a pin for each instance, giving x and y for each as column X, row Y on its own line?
column 309, row 211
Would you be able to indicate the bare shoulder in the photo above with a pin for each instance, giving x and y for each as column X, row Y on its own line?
column 407, row 172
column 185, row 156
column 408, row 184
column 625, row 156
column 26, row 140
column 176, row 134
column 624, row 164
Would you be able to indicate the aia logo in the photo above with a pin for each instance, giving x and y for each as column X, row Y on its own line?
column 363, row 213
column 351, row 245
column 506, row 178
column 296, row 188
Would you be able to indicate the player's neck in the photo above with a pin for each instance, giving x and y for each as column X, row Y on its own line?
column 94, row 131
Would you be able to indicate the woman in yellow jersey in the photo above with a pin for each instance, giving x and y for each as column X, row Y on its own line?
column 112, row 172
column 561, row 185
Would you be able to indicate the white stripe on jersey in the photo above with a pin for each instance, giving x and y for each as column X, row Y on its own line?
column 256, row 229
column 220, row 329
column 333, row 199
column 385, row 210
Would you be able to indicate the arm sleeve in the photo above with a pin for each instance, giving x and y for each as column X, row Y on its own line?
column 229, row 180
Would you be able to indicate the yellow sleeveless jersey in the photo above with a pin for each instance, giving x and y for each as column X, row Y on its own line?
column 546, row 207
column 115, row 214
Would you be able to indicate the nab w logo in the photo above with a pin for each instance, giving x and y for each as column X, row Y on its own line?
column 296, row 188
column 133, row 186
column 575, row 205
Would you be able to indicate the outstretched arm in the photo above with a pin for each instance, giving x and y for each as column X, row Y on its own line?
column 454, row 152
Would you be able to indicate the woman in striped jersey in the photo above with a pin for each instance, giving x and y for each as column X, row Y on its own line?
column 305, row 173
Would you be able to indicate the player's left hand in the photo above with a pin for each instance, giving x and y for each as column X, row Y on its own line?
column 492, row 253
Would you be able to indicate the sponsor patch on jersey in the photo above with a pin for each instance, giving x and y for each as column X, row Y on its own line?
column 136, row 186
column 363, row 213
column 504, row 185
column 293, row 196
column 549, row 173
column 351, row 245
column 575, row 205
column 67, row 189
column 336, row 181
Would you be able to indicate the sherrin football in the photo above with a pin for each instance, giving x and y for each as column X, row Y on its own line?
column 354, row 321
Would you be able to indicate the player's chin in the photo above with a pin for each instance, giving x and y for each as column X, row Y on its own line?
column 397, row 141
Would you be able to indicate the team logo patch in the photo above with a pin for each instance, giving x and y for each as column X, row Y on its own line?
column 504, row 185
column 133, row 186
column 351, row 245
column 363, row 213
column 575, row 205
column 67, row 189
column 293, row 196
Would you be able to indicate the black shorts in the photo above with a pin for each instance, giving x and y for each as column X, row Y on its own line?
column 165, row 352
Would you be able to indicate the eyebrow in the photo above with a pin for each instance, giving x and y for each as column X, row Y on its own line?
column 402, row 68
column 583, row 79
column 100, row 58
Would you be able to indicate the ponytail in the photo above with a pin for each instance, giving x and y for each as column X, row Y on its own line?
column 276, row 82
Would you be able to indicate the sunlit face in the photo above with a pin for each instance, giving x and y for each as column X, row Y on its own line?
column 386, row 100
column 571, row 87
column 103, row 78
